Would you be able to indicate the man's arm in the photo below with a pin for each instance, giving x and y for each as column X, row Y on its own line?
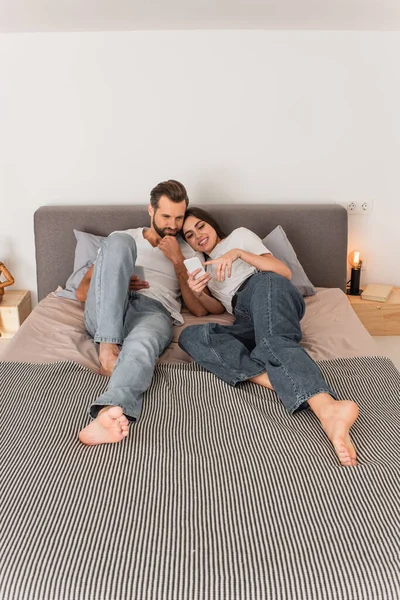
column 83, row 287
column 171, row 250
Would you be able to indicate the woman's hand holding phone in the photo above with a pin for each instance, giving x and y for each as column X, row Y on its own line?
column 198, row 278
column 197, row 285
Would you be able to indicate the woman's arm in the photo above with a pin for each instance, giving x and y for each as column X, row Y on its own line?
column 192, row 302
column 199, row 289
column 263, row 262
column 213, row 305
column 266, row 262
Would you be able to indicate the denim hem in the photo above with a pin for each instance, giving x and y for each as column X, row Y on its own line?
column 233, row 382
column 303, row 399
column 108, row 340
column 244, row 378
column 241, row 378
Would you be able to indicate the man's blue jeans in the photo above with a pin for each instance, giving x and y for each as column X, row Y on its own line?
column 264, row 337
column 141, row 325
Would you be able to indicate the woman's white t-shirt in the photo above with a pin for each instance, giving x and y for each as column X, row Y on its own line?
column 241, row 238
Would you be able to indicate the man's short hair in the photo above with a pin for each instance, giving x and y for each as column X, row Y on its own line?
column 173, row 190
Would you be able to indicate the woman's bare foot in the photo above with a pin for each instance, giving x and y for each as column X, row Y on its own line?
column 263, row 380
column 108, row 357
column 336, row 417
column 108, row 427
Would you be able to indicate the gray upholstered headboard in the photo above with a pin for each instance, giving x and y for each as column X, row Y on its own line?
column 318, row 233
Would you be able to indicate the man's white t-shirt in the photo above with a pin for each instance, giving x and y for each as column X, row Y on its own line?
column 241, row 238
column 160, row 272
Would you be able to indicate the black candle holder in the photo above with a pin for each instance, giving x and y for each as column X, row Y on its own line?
column 354, row 289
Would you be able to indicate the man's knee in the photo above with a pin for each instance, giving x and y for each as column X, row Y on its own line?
column 154, row 333
column 163, row 329
column 121, row 244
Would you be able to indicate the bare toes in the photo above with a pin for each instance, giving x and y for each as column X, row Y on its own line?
column 105, row 429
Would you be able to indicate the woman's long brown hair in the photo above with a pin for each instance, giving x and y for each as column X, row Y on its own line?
column 203, row 215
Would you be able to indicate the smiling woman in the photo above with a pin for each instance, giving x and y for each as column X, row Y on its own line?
column 202, row 228
column 263, row 344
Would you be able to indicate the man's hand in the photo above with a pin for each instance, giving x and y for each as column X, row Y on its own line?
column 137, row 284
column 170, row 248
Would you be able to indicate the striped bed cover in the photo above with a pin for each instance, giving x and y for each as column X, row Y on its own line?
column 217, row 493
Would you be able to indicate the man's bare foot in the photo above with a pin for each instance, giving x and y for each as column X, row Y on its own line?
column 108, row 356
column 263, row 380
column 336, row 417
column 108, row 427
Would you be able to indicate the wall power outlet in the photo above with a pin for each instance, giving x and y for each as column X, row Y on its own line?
column 360, row 207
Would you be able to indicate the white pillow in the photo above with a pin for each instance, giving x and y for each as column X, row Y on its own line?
column 278, row 243
column 87, row 246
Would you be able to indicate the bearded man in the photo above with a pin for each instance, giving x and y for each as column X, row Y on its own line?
column 130, row 315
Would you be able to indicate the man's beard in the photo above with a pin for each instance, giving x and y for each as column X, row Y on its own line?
column 162, row 232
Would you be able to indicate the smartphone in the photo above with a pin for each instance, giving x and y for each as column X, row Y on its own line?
column 139, row 272
column 192, row 264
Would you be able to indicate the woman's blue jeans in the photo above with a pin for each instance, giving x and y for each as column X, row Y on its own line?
column 264, row 337
column 141, row 325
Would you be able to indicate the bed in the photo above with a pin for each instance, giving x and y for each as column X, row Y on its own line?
column 217, row 493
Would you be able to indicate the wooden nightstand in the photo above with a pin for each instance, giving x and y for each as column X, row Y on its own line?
column 14, row 308
column 379, row 318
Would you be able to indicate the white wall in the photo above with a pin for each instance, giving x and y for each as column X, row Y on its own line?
column 237, row 116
